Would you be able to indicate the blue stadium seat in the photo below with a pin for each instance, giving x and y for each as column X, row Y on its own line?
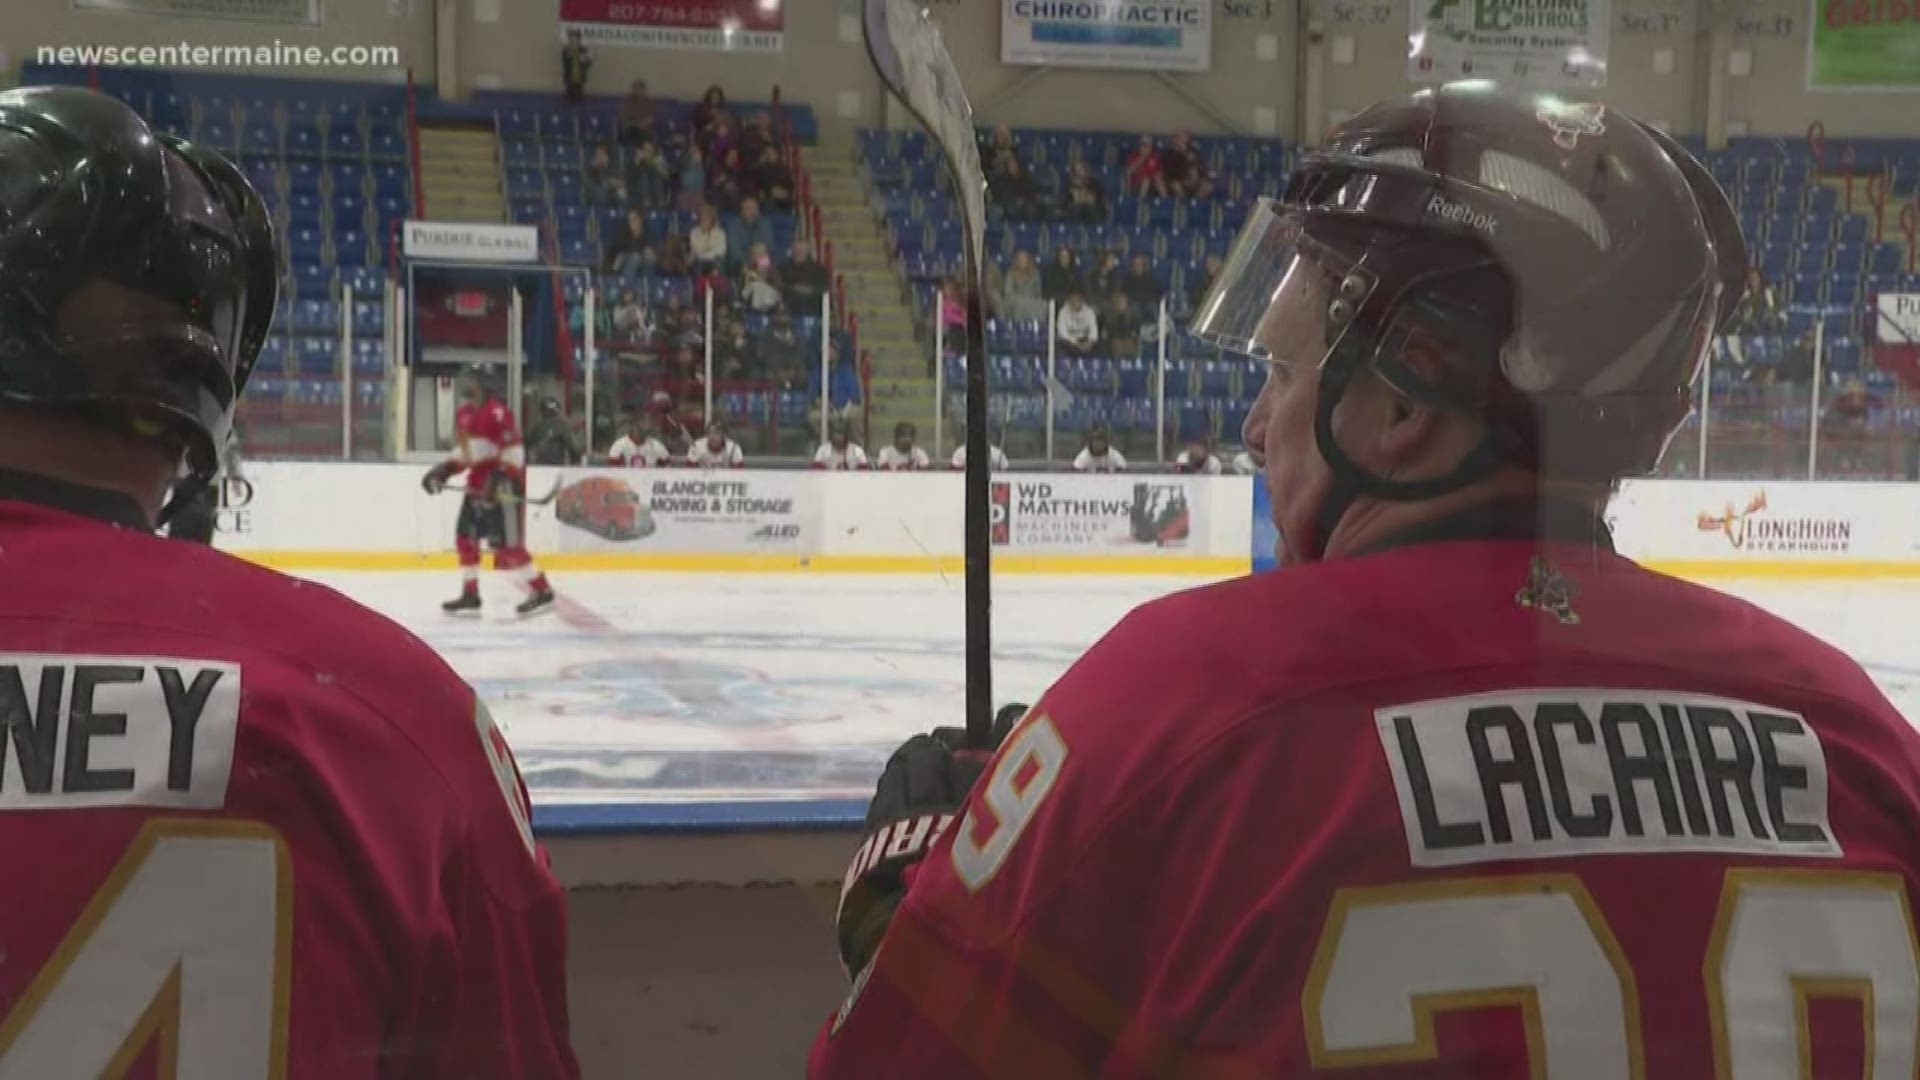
column 303, row 139
column 387, row 143
column 316, row 355
column 315, row 316
column 369, row 352
column 259, row 139
column 391, row 179
column 311, row 279
column 365, row 282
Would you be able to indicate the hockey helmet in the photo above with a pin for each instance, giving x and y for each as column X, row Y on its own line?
column 1564, row 264
column 137, row 272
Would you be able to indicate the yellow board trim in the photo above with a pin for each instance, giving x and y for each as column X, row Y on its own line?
column 1216, row 566
column 718, row 562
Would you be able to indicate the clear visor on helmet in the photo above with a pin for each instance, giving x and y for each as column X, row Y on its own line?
column 1277, row 285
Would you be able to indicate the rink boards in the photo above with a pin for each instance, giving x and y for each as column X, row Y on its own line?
column 750, row 690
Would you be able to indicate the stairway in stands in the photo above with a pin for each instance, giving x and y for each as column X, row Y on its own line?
column 460, row 173
column 902, row 387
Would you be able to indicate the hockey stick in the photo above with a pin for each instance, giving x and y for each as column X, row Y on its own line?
column 506, row 496
column 911, row 59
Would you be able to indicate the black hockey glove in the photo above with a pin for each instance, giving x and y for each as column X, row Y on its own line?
column 436, row 479
column 919, row 793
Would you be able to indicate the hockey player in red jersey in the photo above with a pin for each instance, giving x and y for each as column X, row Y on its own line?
column 1458, row 791
column 257, row 831
column 494, row 508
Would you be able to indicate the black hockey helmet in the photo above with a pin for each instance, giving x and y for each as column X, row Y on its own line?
column 137, row 272
column 905, row 430
column 1566, row 263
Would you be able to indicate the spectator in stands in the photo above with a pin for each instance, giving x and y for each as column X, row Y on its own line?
column 1078, row 326
column 724, row 188
column 1099, row 454
column 1061, row 276
column 839, row 453
column 647, row 177
column 604, row 184
column 996, row 151
column 996, row 457
column 904, row 454
column 803, row 279
column 953, row 310
column 718, row 140
column 1143, row 169
column 1184, row 170
column 1121, row 326
column 1086, row 199
column 1016, row 191
column 673, row 258
column 1198, row 457
column 628, row 252
column 1026, row 298
column 734, row 356
column 757, row 137
column 1106, row 275
column 630, row 317
column 1796, row 362
column 759, row 284
column 707, row 242
column 782, row 351
column 747, row 228
column 637, row 447
column 550, row 440
column 689, row 333
column 1760, row 312
column 1143, row 288
column 575, row 61
column 712, row 106
column 773, row 180
column 637, row 114
column 715, row 450
column 692, row 180
column 1851, row 403
column 684, row 381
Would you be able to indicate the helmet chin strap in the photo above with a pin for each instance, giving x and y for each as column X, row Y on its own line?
column 1350, row 480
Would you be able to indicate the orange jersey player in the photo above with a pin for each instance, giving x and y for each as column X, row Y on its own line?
column 494, row 508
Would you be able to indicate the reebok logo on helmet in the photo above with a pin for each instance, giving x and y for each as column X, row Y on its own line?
column 1461, row 214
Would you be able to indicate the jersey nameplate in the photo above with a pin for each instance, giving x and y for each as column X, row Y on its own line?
column 1531, row 774
column 79, row 731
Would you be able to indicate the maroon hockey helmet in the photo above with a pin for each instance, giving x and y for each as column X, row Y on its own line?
column 1566, row 263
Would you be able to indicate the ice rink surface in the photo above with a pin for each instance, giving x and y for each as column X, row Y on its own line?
column 683, row 689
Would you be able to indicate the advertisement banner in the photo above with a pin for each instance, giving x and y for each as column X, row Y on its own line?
column 1146, row 35
column 1109, row 514
column 722, row 25
column 1542, row 43
column 683, row 510
column 1763, row 521
column 1864, row 45
column 469, row 241
column 1896, row 344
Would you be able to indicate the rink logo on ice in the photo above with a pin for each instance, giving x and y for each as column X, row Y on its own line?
column 1544, row 773
column 1753, row 527
column 1104, row 511
column 87, row 731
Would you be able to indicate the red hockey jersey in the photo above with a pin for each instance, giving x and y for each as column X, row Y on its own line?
column 1475, row 808
column 255, row 830
column 489, row 442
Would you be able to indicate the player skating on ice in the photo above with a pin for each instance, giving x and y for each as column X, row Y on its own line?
column 1458, row 790
column 258, row 831
column 494, row 508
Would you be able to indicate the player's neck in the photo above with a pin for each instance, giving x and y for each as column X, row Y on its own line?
column 1372, row 522
column 61, row 448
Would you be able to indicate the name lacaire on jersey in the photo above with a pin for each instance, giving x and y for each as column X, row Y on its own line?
column 1529, row 774
column 116, row 731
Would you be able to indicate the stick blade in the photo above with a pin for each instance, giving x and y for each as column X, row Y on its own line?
column 910, row 56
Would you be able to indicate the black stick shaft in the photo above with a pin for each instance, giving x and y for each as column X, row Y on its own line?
column 979, row 514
